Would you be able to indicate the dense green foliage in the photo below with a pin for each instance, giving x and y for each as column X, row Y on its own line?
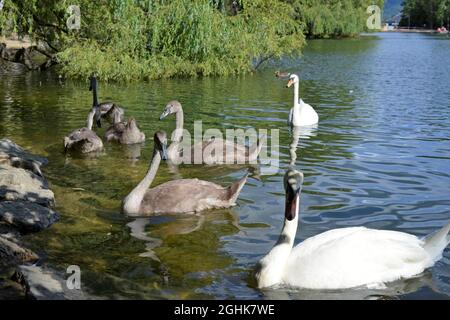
column 148, row 39
column 426, row 13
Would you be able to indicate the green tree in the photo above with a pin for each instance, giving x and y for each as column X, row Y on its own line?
column 333, row 18
column 149, row 39
column 426, row 13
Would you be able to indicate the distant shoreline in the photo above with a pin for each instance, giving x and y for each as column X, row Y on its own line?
column 413, row 31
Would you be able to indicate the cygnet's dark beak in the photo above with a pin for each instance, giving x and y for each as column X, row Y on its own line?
column 164, row 152
column 164, row 114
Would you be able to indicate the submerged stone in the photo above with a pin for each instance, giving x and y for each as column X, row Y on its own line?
column 43, row 283
column 12, row 253
column 11, row 290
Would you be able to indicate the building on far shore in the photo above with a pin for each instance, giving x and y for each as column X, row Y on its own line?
column 392, row 23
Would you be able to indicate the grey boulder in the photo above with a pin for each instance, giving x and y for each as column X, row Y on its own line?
column 20, row 184
column 14, row 155
column 27, row 216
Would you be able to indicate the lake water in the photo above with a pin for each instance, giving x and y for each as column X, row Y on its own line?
column 379, row 158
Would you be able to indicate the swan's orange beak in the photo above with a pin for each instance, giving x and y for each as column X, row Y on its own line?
column 290, row 83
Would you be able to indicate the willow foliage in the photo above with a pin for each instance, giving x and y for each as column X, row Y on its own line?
column 333, row 18
column 149, row 39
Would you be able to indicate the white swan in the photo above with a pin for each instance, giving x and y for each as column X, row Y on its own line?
column 302, row 114
column 347, row 257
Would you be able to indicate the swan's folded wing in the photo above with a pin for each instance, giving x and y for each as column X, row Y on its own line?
column 352, row 257
column 186, row 195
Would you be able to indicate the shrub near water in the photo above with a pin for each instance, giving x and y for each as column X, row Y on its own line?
column 183, row 38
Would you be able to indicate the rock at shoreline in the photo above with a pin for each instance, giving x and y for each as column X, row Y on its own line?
column 14, row 155
column 24, row 207
column 27, row 216
column 33, row 57
column 43, row 283
column 20, row 184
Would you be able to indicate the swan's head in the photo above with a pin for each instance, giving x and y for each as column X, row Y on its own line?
column 293, row 181
column 161, row 143
column 172, row 107
column 76, row 137
column 293, row 78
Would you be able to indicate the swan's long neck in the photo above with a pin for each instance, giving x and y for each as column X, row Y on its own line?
column 272, row 266
column 90, row 119
column 179, row 120
column 173, row 150
column 94, row 95
column 132, row 202
column 296, row 95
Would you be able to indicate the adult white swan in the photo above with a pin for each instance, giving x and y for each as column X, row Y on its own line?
column 344, row 258
column 302, row 114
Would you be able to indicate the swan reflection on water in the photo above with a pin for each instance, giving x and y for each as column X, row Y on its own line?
column 300, row 133
column 177, row 224
column 133, row 151
column 390, row 291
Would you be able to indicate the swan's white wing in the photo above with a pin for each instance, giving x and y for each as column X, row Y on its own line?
column 305, row 116
column 351, row 257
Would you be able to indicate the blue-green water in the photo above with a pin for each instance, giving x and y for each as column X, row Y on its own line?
column 380, row 158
